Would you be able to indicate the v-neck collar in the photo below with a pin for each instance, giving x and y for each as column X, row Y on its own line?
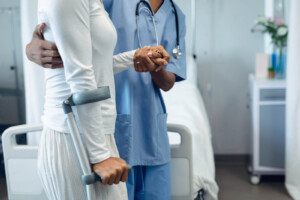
column 163, row 9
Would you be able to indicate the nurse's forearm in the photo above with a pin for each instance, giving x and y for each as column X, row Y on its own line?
column 163, row 79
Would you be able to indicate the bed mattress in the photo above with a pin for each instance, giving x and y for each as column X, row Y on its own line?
column 185, row 107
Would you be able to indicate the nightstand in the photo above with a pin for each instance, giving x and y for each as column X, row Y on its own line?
column 267, row 98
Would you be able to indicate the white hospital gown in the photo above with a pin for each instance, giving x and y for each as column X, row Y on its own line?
column 60, row 172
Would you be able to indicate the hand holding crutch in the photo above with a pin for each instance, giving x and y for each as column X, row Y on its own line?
column 112, row 171
column 111, row 164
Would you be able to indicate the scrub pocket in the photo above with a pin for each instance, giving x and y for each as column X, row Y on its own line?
column 123, row 135
column 163, row 152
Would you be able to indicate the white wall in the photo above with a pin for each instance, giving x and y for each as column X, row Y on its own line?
column 34, row 75
column 226, row 55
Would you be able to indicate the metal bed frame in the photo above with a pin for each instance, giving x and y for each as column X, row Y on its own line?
column 24, row 184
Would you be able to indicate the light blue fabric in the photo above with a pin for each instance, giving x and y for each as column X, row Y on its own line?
column 149, row 183
column 141, row 131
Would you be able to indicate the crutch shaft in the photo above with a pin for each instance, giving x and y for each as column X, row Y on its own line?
column 81, row 153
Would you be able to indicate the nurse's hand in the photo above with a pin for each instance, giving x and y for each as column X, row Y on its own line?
column 112, row 171
column 42, row 52
column 149, row 59
column 159, row 56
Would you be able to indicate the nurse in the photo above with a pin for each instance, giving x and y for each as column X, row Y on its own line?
column 141, row 129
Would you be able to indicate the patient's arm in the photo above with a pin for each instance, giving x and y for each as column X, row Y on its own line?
column 123, row 61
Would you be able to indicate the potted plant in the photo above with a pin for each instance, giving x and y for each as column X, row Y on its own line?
column 271, row 72
column 278, row 31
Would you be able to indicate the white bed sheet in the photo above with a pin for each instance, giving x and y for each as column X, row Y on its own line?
column 185, row 107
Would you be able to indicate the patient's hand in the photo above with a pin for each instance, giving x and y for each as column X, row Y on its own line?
column 112, row 171
column 151, row 59
column 42, row 52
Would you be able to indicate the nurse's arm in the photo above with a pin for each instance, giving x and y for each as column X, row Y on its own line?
column 163, row 79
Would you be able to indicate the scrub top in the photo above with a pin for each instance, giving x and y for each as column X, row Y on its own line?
column 141, row 127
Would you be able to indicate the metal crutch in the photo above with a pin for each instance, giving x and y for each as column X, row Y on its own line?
column 88, row 177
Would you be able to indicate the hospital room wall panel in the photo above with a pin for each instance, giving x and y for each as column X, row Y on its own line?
column 226, row 55
column 7, row 76
column 9, row 111
column 11, row 68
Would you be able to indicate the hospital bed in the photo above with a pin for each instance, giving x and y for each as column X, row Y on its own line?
column 185, row 107
column 192, row 164
column 21, row 164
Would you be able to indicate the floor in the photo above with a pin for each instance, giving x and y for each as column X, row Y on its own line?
column 3, row 190
column 233, row 180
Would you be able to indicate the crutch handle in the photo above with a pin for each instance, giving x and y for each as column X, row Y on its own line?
column 93, row 178
column 86, row 97
column 91, row 96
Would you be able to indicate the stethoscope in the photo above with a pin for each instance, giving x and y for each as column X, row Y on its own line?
column 177, row 53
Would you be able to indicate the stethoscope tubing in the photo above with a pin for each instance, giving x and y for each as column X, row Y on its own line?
column 154, row 25
column 148, row 8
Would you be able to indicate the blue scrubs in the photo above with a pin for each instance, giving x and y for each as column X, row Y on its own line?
column 141, row 130
column 149, row 182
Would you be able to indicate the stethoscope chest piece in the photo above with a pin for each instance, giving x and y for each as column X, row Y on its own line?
column 177, row 53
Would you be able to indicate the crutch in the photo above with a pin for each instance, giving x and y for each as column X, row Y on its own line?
column 88, row 177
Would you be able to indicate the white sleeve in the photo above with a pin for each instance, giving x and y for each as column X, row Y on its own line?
column 123, row 61
column 70, row 25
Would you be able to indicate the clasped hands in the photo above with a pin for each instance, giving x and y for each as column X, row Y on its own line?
column 149, row 59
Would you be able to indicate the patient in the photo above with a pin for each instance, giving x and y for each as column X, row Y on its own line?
column 85, row 38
